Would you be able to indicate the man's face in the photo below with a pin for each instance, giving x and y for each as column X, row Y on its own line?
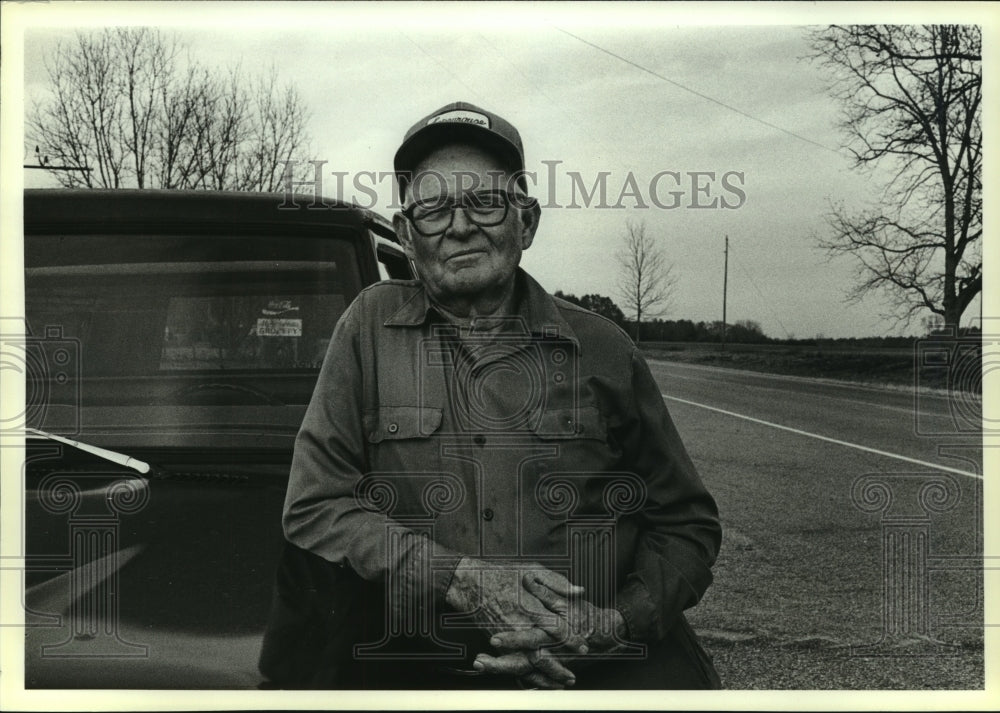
column 467, row 260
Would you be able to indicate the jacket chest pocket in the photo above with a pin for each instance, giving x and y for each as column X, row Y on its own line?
column 404, row 461
column 578, row 438
column 401, row 423
column 570, row 486
column 581, row 422
column 402, row 437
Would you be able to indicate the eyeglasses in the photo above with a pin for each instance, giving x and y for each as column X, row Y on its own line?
column 484, row 208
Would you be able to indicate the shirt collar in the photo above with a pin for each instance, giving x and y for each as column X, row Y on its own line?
column 535, row 306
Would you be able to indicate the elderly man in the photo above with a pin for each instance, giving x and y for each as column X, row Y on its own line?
column 487, row 490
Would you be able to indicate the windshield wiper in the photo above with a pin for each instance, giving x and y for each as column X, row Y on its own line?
column 113, row 456
column 142, row 467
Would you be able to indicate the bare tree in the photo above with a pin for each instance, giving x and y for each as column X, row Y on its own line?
column 647, row 279
column 145, row 63
column 912, row 105
column 277, row 131
column 138, row 112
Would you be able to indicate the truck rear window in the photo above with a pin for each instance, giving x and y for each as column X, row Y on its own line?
column 150, row 305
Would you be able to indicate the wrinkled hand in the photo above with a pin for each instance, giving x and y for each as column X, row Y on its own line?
column 496, row 592
column 583, row 628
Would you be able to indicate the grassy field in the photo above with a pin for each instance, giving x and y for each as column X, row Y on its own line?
column 874, row 366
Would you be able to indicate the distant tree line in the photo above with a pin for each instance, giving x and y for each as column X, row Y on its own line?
column 741, row 332
column 685, row 330
column 670, row 330
column 604, row 306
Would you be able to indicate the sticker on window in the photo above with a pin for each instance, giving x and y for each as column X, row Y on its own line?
column 279, row 306
column 273, row 327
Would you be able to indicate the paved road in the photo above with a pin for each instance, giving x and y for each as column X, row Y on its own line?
column 896, row 422
column 802, row 562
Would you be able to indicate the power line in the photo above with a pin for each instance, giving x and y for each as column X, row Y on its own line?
column 442, row 65
column 764, row 300
column 558, row 106
column 697, row 93
column 48, row 167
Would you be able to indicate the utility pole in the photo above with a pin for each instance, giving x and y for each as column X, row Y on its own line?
column 725, row 286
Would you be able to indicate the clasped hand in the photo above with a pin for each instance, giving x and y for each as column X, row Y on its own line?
column 538, row 621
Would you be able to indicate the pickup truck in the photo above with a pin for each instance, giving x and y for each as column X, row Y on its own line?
column 174, row 339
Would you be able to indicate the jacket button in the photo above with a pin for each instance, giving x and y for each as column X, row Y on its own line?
column 488, row 514
column 392, row 428
column 479, row 439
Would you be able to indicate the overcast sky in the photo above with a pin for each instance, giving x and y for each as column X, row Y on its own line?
column 367, row 74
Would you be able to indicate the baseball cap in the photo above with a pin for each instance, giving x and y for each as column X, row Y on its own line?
column 459, row 121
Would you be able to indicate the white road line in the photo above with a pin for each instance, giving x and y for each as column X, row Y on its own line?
column 836, row 383
column 826, row 438
column 900, row 409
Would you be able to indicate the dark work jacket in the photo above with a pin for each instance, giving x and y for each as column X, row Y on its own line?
column 542, row 439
